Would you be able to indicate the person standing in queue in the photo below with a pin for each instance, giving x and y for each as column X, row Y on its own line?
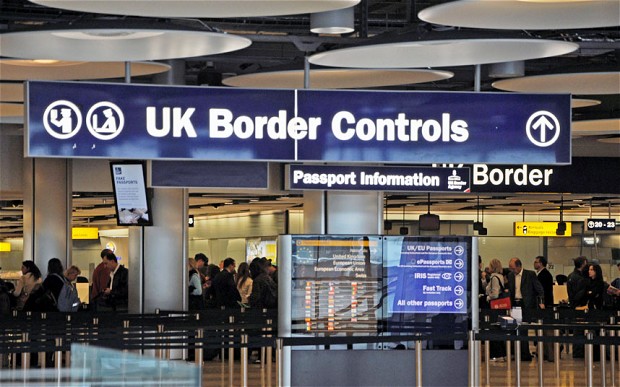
column 525, row 292
column 195, row 287
column 99, row 280
column 27, row 283
column 116, row 294
column 577, row 284
column 224, row 287
column 546, row 280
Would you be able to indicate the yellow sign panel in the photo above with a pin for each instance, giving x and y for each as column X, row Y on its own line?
column 85, row 233
column 5, row 246
column 541, row 229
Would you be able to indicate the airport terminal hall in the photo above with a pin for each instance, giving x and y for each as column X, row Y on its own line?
column 310, row 193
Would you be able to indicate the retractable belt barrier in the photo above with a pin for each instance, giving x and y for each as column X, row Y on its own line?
column 34, row 332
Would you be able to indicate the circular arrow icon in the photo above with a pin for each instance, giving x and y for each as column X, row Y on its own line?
column 547, row 127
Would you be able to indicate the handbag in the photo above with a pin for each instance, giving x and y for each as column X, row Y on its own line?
column 503, row 301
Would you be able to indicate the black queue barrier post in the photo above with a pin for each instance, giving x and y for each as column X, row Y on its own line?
column 231, row 352
column 126, row 334
column 42, row 329
column 540, row 358
column 25, row 354
column 58, row 354
column 556, row 347
column 69, row 328
column 612, row 352
column 603, row 360
column 508, row 349
column 279, row 360
column 418, row 359
column 487, row 353
column 589, row 355
column 269, row 351
column 244, row 361
column 518, row 360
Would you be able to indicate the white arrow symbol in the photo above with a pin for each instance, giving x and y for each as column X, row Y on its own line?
column 541, row 124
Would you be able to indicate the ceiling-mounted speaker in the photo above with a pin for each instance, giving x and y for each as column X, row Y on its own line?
column 429, row 222
column 478, row 226
column 404, row 230
column 387, row 225
column 561, row 230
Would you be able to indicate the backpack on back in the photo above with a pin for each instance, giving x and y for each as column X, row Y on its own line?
column 68, row 300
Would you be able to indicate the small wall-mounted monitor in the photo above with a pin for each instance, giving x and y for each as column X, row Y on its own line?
column 132, row 204
column 429, row 222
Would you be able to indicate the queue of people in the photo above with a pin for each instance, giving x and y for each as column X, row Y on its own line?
column 251, row 285
column 32, row 292
column 529, row 289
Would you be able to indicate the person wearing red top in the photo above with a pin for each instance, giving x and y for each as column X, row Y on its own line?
column 100, row 279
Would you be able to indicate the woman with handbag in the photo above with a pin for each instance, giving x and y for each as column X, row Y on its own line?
column 27, row 284
column 494, row 291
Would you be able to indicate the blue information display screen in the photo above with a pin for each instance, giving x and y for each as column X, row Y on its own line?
column 427, row 275
column 371, row 283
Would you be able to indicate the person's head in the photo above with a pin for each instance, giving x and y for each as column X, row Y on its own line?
column 595, row 272
column 229, row 264
column 110, row 261
column 515, row 265
column 243, row 271
column 201, row 260
column 191, row 263
column 72, row 273
column 480, row 262
column 104, row 252
column 618, row 265
column 212, row 271
column 580, row 263
column 540, row 262
column 255, row 267
column 30, row 267
column 54, row 266
column 496, row 266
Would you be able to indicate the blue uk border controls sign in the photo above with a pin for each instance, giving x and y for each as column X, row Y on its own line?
column 128, row 121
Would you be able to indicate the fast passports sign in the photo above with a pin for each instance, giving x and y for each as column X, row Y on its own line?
column 66, row 119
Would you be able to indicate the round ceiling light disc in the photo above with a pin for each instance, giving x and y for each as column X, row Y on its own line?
column 596, row 127
column 336, row 79
column 577, row 103
column 11, row 92
column 21, row 70
column 117, row 44
column 525, row 14
column 199, row 8
column 440, row 53
column 575, row 83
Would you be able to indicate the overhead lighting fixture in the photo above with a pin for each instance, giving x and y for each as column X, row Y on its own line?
column 117, row 44
column 199, row 8
column 524, row 14
column 561, row 230
column 428, row 221
column 404, row 230
column 440, row 53
column 340, row 21
column 337, row 78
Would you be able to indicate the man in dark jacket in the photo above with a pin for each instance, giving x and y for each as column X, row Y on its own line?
column 116, row 295
column 546, row 280
column 577, row 284
column 224, row 288
column 525, row 292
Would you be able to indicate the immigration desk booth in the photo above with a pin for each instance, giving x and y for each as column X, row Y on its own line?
column 335, row 286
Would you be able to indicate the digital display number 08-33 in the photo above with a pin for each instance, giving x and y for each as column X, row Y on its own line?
column 601, row 224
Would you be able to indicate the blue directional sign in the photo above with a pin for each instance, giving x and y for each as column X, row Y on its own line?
column 427, row 275
column 70, row 119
